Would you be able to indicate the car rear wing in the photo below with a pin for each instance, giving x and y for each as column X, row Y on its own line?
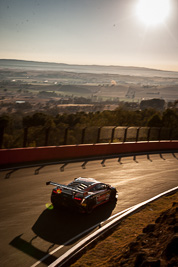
column 65, row 187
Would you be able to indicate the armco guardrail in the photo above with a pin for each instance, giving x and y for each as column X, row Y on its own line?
column 24, row 155
column 64, row 259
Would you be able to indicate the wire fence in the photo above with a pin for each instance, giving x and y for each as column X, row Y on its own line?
column 40, row 136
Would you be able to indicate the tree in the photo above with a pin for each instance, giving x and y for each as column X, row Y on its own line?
column 27, row 121
column 170, row 120
column 4, row 121
column 155, row 121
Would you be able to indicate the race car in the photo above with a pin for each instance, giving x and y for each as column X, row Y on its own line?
column 83, row 194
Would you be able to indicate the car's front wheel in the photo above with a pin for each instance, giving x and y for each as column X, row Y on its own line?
column 113, row 195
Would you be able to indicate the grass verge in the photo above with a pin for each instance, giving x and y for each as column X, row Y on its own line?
column 126, row 232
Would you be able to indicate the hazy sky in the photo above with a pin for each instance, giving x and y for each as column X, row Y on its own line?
column 107, row 32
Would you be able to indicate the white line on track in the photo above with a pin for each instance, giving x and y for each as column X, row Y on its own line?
column 78, row 236
column 62, row 260
column 124, row 212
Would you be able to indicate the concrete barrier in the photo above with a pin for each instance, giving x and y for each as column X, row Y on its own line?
column 24, row 155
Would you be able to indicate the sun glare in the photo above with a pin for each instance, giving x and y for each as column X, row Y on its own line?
column 153, row 12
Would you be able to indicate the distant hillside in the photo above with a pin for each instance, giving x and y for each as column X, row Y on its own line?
column 122, row 70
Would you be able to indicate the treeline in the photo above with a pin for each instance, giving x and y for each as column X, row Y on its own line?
column 40, row 129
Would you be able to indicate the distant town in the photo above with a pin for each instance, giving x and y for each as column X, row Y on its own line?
column 58, row 88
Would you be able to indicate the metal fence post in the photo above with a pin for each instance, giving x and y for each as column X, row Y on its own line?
column 1, row 136
column 47, row 136
column 125, row 135
column 170, row 134
column 83, row 135
column 66, row 135
column 112, row 134
column 25, row 136
column 137, row 134
column 148, row 135
column 159, row 134
column 98, row 135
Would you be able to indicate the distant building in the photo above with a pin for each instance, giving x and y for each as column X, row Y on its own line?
column 158, row 104
column 20, row 102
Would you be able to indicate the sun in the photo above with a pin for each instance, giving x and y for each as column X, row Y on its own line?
column 153, row 12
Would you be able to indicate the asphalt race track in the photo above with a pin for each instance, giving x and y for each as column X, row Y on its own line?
column 29, row 230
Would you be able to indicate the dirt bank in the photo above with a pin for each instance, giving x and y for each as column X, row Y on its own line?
column 145, row 239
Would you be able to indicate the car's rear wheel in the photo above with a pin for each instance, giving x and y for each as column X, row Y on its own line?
column 90, row 207
column 54, row 203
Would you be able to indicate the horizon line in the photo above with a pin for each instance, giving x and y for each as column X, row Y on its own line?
column 100, row 65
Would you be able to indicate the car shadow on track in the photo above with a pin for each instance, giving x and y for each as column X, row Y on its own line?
column 59, row 226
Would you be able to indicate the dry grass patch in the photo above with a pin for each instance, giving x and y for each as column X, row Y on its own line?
column 126, row 232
